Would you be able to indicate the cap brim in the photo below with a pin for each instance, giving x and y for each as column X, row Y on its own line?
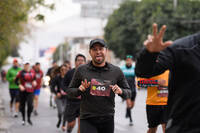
column 97, row 42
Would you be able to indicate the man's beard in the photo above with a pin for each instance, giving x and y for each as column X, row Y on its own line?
column 99, row 62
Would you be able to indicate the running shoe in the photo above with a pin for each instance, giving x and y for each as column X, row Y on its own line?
column 54, row 106
column 35, row 112
column 23, row 123
column 15, row 115
column 30, row 122
column 63, row 128
column 58, row 123
column 69, row 130
column 131, row 123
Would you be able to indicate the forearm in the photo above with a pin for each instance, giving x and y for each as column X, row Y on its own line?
column 147, row 65
column 73, row 92
column 17, row 81
column 126, row 94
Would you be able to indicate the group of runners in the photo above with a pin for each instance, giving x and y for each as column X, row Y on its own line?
column 24, row 87
column 87, row 92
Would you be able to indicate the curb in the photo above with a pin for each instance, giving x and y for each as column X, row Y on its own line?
column 2, row 108
column 3, row 127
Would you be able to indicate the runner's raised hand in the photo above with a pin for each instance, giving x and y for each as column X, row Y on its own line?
column 155, row 43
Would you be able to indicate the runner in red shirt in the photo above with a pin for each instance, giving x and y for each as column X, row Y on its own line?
column 27, row 82
column 38, row 75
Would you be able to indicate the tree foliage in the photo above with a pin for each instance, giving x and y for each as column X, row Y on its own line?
column 13, row 19
column 129, row 25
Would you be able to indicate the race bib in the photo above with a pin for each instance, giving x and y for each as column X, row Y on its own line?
column 28, row 85
column 100, row 87
column 37, row 76
column 162, row 91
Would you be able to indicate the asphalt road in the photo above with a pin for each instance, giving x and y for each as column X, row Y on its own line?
column 46, row 121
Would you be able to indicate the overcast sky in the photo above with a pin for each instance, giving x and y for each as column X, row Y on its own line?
column 63, row 10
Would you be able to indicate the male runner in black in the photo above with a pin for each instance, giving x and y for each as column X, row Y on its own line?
column 97, row 83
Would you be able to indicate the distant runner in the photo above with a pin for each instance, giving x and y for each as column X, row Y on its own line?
column 13, row 87
column 57, row 84
column 38, row 75
column 27, row 82
column 72, row 110
column 50, row 74
column 156, row 103
column 129, row 72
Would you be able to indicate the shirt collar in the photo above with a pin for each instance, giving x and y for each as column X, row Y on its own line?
column 106, row 67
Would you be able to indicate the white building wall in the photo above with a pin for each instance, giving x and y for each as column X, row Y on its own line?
column 98, row 8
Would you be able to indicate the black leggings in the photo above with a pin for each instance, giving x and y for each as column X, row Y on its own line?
column 128, row 113
column 26, row 97
column 97, row 125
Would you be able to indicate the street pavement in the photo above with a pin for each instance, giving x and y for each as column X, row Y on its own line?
column 46, row 121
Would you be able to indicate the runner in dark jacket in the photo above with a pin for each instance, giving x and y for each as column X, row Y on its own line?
column 183, row 60
column 49, row 73
column 97, row 83
column 57, row 84
column 72, row 110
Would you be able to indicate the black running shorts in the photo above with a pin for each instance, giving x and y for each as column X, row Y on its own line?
column 156, row 115
column 72, row 111
column 14, row 94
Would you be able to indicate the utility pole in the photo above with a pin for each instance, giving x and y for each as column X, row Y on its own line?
column 61, row 54
column 175, row 3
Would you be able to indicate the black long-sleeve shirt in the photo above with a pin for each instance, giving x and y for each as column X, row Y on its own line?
column 57, row 84
column 98, row 100
column 183, row 60
column 66, row 81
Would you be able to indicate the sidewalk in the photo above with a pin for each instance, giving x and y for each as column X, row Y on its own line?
column 3, row 121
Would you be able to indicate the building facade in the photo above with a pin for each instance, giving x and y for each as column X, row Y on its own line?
column 98, row 8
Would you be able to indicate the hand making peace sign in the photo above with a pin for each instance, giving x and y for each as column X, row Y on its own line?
column 155, row 43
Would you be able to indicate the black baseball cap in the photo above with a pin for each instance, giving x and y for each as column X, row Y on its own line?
column 98, row 41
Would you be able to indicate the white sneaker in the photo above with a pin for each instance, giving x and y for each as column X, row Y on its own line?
column 23, row 123
column 15, row 115
column 54, row 106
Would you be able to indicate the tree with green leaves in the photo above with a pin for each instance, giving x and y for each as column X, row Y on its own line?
column 130, row 25
column 121, row 32
column 13, row 23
